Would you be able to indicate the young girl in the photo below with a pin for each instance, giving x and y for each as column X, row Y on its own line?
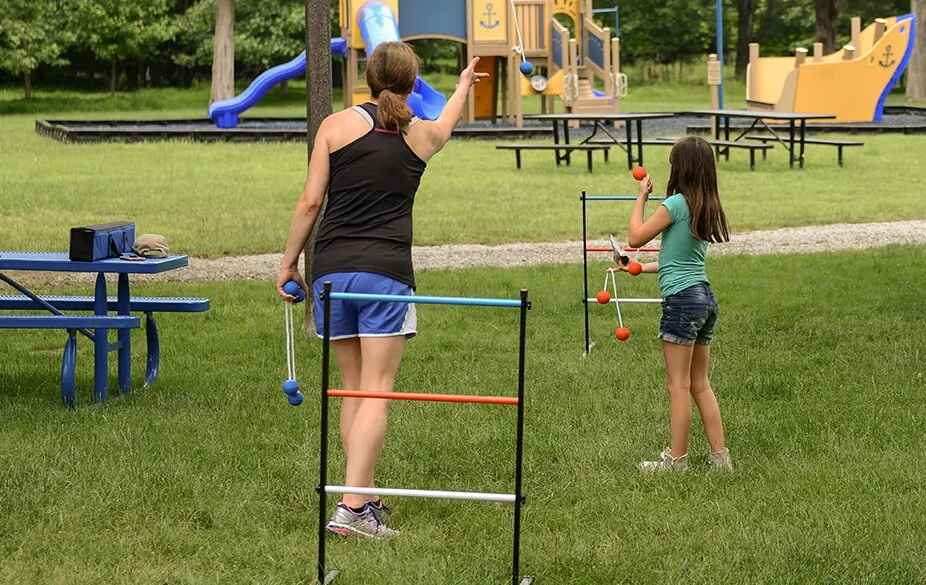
column 689, row 218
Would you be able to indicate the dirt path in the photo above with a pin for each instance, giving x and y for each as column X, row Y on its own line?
column 802, row 240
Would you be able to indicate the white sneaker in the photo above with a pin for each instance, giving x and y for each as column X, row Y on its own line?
column 666, row 462
column 369, row 522
column 720, row 460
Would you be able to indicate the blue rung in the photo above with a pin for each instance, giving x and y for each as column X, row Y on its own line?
column 616, row 198
column 419, row 300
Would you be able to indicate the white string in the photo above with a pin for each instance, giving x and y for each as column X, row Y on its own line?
column 517, row 27
column 290, row 344
column 617, row 303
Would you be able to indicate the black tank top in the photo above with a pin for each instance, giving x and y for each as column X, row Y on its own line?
column 368, row 221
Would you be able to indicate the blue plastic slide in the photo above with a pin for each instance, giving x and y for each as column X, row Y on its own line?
column 225, row 113
column 378, row 25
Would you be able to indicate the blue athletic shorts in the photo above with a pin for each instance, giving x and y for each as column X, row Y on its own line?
column 364, row 318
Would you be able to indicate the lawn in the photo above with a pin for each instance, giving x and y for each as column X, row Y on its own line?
column 207, row 478
column 231, row 199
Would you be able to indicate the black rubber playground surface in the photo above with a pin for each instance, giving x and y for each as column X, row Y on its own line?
column 249, row 130
column 897, row 120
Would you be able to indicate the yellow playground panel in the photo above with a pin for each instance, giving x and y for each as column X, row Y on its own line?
column 851, row 83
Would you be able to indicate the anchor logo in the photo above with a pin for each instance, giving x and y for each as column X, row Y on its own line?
column 487, row 17
column 888, row 59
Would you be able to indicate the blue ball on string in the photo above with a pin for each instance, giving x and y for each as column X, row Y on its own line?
column 290, row 387
column 527, row 67
column 293, row 289
column 295, row 399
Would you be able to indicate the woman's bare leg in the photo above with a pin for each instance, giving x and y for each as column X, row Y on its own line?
column 381, row 357
column 678, row 385
column 348, row 357
column 704, row 397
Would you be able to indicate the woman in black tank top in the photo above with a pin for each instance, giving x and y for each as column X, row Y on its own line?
column 369, row 159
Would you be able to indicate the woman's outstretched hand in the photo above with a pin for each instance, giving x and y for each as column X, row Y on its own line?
column 470, row 77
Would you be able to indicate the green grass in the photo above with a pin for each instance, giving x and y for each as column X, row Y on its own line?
column 207, row 478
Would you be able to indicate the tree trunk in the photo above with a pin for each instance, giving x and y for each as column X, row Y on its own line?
column 916, row 72
column 318, row 100
column 745, row 13
column 223, row 51
column 769, row 19
column 112, row 77
column 827, row 17
column 27, row 85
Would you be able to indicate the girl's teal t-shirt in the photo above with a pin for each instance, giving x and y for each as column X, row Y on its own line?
column 681, row 255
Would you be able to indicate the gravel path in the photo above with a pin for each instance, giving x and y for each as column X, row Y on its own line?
column 801, row 240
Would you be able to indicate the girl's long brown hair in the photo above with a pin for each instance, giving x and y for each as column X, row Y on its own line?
column 695, row 177
column 391, row 72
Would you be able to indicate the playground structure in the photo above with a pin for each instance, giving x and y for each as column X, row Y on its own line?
column 852, row 83
column 323, row 488
column 610, row 292
column 504, row 35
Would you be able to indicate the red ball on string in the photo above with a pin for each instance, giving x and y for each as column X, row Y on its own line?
column 603, row 297
column 622, row 333
column 635, row 268
column 639, row 173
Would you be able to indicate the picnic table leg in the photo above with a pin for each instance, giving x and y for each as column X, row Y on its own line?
column 589, row 153
column 566, row 142
column 803, row 135
column 639, row 141
column 100, row 343
column 726, row 136
column 839, row 150
column 628, row 128
column 791, row 143
column 555, row 140
column 68, row 370
column 154, row 350
column 517, row 157
column 124, row 336
column 717, row 136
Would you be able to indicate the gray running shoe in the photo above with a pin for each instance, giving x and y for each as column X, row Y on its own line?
column 666, row 462
column 720, row 460
column 369, row 522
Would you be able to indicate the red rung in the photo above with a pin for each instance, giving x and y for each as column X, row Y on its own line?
column 598, row 249
column 420, row 396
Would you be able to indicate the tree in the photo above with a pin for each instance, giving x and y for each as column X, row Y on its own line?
column 31, row 34
column 827, row 17
column 916, row 76
column 317, row 96
column 121, row 30
column 744, row 17
column 223, row 51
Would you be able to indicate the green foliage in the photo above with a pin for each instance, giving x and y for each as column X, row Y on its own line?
column 116, row 30
column 31, row 35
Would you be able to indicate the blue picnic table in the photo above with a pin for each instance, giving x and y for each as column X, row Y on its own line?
column 97, row 326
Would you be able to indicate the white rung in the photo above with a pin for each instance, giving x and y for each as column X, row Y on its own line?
column 366, row 491
column 627, row 301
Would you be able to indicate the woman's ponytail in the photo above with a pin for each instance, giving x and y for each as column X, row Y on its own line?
column 393, row 112
column 391, row 73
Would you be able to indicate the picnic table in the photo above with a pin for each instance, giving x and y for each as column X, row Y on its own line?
column 633, row 131
column 797, row 125
column 97, row 326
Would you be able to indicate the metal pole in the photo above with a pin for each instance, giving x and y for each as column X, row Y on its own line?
column 719, row 33
column 323, row 440
column 585, row 267
column 519, row 445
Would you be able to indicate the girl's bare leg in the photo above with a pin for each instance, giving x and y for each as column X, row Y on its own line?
column 348, row 357
column 678, row 385
column 704, row 397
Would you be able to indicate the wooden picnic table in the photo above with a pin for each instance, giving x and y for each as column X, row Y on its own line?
column 97, row 327
column 633, row 121
column 797, row 125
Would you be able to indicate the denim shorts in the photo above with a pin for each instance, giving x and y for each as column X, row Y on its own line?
column 689, row 316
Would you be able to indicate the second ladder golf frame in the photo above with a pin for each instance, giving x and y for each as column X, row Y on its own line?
column 323, row 488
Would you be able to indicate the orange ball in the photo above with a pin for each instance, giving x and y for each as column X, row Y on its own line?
column 603, row 297
column 639, row 173
column 622, row 333
column 635, row 268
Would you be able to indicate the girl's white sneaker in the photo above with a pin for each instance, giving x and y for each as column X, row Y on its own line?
column 666, row 462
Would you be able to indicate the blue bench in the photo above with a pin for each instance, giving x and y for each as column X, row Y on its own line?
column 73, row 324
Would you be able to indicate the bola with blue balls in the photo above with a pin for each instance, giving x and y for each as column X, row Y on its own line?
column 293, row 289
column 527, row 67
